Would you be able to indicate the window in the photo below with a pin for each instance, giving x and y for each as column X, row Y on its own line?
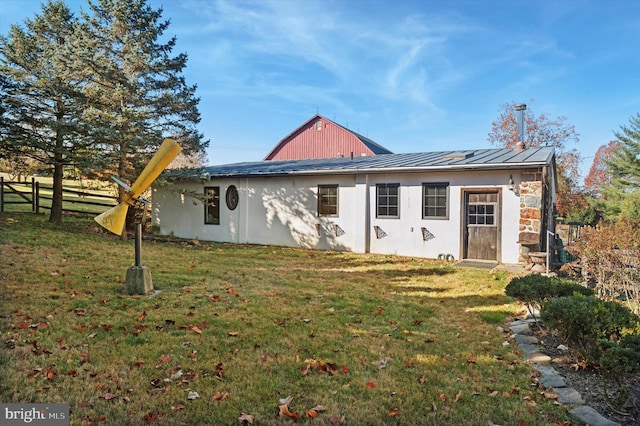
column 387, row 200
column 319, row 124
column 435, row 200
column 327, row 200
column 212, row 205
column 482, row 214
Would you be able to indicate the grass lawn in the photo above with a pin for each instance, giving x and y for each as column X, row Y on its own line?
column 235, row 329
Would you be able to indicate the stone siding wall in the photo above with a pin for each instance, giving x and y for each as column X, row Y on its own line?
column 530, row 217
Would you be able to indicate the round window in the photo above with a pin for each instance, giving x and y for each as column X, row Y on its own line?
column 232, row 197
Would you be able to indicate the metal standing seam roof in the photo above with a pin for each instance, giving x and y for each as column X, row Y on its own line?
column 384, row 163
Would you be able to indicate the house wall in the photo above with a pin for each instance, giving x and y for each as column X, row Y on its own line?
column 283, row 211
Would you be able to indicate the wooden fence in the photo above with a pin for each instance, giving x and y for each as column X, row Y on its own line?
column 39, row 197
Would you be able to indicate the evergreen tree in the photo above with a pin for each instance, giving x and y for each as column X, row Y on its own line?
column 40, row 103
column 622, row 196
column 135, row 92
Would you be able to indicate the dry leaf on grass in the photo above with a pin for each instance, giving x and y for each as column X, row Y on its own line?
column 164, row 358
column 245, row 418
column 219, row 396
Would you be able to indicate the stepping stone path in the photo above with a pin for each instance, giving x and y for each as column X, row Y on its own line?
column 551, row 378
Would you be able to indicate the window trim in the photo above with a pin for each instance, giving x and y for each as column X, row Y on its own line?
column 426, row 185
column 397, row 205
column 337, row 205
column 208, row 204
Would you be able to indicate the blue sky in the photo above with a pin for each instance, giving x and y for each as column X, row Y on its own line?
column 413, row 76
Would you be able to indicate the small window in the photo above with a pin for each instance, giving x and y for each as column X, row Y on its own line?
column 388, row 201
column 482, row 214
column 327, row 200
column 212, row 205
column 435, row 200
column 319, row 124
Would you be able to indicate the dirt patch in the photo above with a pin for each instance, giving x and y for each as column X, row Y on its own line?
column 591, row 383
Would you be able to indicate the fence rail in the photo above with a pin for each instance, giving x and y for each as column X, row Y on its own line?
column 39, row 197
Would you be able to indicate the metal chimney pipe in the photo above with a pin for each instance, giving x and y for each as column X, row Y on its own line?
column 520, row 108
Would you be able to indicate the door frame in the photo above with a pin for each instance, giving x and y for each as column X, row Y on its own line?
column 464, row 192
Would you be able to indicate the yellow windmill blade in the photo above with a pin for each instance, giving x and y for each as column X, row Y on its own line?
column 160, row 160
column 114, row 219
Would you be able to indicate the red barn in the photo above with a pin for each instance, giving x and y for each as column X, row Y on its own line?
column 320, row 137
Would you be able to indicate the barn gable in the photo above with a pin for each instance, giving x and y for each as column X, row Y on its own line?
column 320, row 137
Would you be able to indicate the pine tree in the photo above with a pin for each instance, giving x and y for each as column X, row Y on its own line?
column 40, row 99
column 622, row 196
column 136, row 94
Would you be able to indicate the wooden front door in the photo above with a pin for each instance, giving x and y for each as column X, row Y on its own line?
column 482, row 225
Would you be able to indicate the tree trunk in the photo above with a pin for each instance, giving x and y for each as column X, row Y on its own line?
column 56, row 202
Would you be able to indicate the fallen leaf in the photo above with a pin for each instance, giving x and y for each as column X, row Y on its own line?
column 422, row 379
column 142, row 316
column 108, row 396
column 85, row 358
column 442, row 397
column 371, row 385
column 177, row 407
column 285, row 401
column 550, row 395
column 311, row 414
column 393, row 412
column 219, row 396
column 196, row 329
column 472, row 359
column 193, row 395
column 344, row 369
column 458, row 396
column 234, row 333
column 164, row 358
column 336, row 421
column 284, row 412
column 153, row 417
column 50, row 373
column 219, row 370
column 530, row 401
column 245, row 418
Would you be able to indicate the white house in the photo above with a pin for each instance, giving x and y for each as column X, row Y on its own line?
column 486, row 204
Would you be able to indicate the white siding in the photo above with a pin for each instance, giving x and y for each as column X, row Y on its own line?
column 283, row 211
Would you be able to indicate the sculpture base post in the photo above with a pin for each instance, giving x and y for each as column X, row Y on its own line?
column 138, row 280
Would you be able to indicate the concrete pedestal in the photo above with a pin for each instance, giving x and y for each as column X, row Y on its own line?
column 138, row 280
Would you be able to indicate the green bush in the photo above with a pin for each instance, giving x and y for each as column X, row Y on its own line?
column 534, row 290
column 618, row 359
column 584, row 321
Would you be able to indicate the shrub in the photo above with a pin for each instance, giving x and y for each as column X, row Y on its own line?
column 618, row 359
column 534, row 290
column 609, row 255
column 583, row 321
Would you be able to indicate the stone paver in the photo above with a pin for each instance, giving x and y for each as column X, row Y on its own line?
column 550, row 377
column 569, row 396
column 589, row 416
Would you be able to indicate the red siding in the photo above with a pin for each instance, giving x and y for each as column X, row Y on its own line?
column 307, row 142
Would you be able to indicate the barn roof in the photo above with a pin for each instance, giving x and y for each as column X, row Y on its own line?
column 331, row 142
column 385, row 163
